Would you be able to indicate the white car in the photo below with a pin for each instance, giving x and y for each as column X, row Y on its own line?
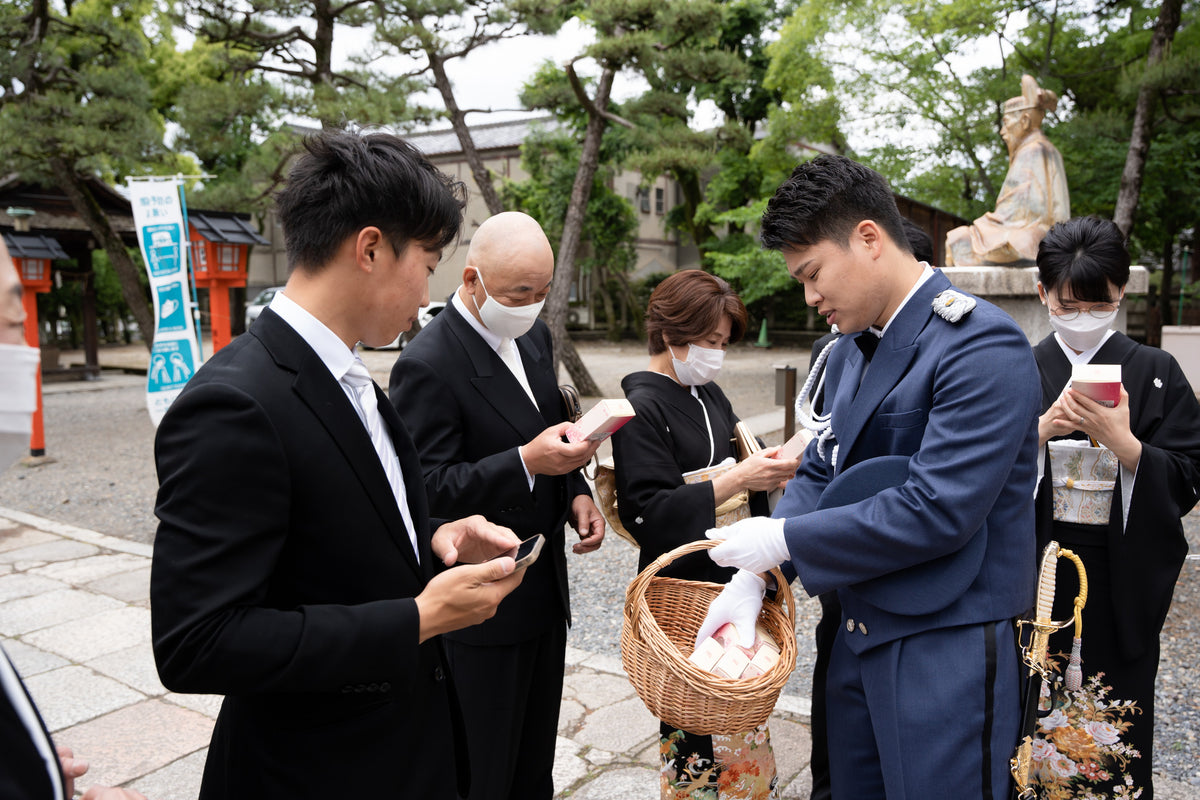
column 261, row 301
column 425, row 316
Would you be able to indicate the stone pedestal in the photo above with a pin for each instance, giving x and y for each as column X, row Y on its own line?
column 1014, row 289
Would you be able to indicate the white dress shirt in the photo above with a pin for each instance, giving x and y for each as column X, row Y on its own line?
column 338, row 359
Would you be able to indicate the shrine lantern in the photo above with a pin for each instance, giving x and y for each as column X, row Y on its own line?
column 32, row 254
column 220, row 245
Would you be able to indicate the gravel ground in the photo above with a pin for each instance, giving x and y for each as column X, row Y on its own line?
column 102, row 477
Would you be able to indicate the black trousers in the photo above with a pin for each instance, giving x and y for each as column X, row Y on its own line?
column 510, row 696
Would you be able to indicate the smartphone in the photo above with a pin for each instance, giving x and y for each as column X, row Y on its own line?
column 527, row 551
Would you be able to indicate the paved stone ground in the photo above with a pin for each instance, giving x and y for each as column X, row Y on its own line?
column 75, row 619
column 73, row 609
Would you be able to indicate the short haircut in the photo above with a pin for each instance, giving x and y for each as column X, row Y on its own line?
column 343, row 182
column 824, row 200
column 688, row 305
column 918, row 241
column 1085, row 254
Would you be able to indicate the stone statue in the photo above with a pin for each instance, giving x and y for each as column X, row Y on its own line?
column 1034, row 194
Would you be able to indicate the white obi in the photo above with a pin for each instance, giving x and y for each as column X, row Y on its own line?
column 1083, row 478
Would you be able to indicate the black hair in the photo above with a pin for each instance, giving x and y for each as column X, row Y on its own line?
column 1086, row 254
column 918, row 241
column 824, row 200
column 343, row 182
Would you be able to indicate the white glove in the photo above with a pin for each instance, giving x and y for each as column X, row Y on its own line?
column 756, row 544
column 739, row 602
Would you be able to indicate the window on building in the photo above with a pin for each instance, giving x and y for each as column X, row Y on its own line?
column 643, row 201
column 199, row 256
column 660, row 200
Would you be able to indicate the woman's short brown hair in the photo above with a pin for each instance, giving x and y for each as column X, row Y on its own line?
column 688, row 306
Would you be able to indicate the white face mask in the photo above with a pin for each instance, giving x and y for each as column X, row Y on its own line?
column 506, row 321
column 18, row 399
column 1085, row 331
column 702, row 365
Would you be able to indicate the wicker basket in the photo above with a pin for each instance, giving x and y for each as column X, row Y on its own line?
column 658, row 633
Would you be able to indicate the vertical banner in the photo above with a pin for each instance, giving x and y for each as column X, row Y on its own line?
column 159, row 217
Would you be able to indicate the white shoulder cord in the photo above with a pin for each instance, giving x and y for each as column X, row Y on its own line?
column 712, row 446
column 818, row 424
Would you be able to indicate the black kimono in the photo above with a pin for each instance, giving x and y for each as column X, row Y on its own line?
column 1132, row 569
column 668, row 437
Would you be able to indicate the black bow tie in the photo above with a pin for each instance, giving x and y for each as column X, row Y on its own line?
column 867, row 342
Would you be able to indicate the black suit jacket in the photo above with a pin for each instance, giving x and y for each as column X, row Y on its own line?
column 468, row 415
column 283, row 578
column 23, row 771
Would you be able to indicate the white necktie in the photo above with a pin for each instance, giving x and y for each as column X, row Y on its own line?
column 508, row 354
column 363, row 390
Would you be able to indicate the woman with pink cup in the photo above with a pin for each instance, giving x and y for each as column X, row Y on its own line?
column 1117, row 478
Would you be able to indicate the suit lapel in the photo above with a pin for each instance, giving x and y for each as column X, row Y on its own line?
column 896, row 351
column 497, row 386
column 318, row 390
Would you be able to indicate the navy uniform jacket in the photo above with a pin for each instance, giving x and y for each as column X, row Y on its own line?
column 954, row 544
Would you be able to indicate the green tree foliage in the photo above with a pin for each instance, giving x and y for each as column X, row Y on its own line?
column 293, row 44
column 77, row 103
column 435, row 33
column 551, row 159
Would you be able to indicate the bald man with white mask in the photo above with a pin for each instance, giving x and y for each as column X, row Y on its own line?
column 478, row 393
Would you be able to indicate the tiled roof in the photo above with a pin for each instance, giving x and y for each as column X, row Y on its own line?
column 493, row 136
column 225, row 229
column 32, row 245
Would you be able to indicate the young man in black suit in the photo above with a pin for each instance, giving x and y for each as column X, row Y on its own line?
column 294, row 571
column 478, row 392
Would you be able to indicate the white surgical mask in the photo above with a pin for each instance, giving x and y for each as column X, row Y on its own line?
column 18, row 399
column 702, row 365
column 1085, row 331
column 506, row 321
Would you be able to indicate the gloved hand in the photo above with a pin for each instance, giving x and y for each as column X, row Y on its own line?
column 739, row 602
column 756, row 544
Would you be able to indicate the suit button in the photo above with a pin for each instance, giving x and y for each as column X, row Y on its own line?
column 850, row 625
column 374, row 687
column 862, row 628
column 439, row 674
column 385, row 687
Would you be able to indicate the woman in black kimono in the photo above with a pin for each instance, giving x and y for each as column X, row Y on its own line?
column 1134, row 553
column 685, row 423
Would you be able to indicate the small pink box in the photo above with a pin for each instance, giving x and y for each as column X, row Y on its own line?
column 601, row 422
column 1099, row 382
column 721, row 654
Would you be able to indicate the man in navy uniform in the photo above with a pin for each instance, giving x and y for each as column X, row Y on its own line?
column 916, row 507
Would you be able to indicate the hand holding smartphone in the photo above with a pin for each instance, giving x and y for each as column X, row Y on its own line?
column 526, row 552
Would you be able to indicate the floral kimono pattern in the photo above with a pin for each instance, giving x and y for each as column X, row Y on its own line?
column 742, row 767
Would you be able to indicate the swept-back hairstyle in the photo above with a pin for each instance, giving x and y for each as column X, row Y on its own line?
column 824, row 199
column 1084, row 253
column 688, row 306
column 343, row 182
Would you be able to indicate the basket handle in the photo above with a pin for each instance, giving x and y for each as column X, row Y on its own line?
column 641, row 583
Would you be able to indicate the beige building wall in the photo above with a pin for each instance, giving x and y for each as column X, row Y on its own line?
column 657, row 250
